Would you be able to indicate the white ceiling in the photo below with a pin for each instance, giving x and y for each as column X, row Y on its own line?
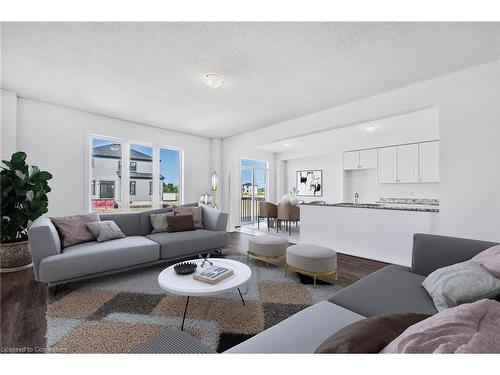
column 411, row 127
column 151, row 72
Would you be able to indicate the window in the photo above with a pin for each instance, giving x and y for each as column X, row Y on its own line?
column 153, row 179
column 104, row 175
column 170, row 166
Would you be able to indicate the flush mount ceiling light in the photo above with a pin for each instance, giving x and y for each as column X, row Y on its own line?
column 371, row 128
column 289, row 144
column 213, row 80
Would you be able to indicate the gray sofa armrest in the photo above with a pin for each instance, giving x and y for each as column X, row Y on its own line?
column 214, row 219
column 44, row 241
column 431, row 252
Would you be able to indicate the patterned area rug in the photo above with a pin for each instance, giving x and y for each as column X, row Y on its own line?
column 117, row 313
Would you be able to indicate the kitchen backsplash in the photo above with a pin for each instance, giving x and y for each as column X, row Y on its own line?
column 428, row 202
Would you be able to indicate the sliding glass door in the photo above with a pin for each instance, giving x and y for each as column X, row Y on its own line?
column 253, row 181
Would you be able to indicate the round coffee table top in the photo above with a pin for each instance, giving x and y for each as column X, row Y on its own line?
column 185, row 285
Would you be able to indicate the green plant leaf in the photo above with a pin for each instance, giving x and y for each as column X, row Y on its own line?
column 44, row 175
column 30, row 195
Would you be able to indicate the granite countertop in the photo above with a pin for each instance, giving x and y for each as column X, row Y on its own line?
column 383, row 206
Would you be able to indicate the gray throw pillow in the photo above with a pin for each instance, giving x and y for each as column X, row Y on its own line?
column 460, row 283
column 159, row 222
column 105, row 230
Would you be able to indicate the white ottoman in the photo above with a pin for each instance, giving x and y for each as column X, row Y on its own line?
column 311, row 260
column 267, row 247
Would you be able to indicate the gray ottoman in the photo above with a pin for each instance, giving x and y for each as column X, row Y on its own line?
column 311, row 260
column 267, row 247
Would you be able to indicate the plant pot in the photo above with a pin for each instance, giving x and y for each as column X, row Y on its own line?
column 14, row 256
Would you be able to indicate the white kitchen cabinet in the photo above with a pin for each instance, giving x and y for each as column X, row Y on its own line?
column 368, row 158
column 428, row 162
column 351, row 160
column 388, row 165
column 364, row 159
column 407, row 164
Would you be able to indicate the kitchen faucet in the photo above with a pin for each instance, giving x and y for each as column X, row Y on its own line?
column 356, row 198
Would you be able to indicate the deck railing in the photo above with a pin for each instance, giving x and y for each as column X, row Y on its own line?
column 249, row 210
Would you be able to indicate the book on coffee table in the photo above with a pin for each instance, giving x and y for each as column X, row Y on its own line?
column 213, row 275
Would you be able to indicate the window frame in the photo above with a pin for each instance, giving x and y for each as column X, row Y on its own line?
column 125, row 170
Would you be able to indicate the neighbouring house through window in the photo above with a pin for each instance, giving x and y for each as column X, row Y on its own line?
column 108, row 179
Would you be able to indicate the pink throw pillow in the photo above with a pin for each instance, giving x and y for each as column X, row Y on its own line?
column 489, row 259
column 73, row 229
column 197, row 213
column 467, row 328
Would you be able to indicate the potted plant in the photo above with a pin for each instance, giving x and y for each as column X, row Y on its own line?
column 23, row 195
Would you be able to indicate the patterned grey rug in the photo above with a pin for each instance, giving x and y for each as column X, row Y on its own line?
column 119, row 313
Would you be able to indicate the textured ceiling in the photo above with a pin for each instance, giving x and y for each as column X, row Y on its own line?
column 151, row 72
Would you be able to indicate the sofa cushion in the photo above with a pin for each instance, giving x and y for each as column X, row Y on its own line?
column 300, row 333
column 468, row 328
column 159, row 222
column 179, row 244
column 460, row 283
column 489, row 259
column 369, row 335
column 73, row 229
column 105, row 230
column 180, row 223
column 196, row 212
column 391, row 290
column 94, row 257
column 129, row 223
column 145, row 226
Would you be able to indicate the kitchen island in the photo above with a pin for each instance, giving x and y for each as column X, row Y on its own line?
column 372, row 231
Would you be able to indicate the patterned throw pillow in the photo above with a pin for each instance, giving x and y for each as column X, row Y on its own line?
column 460, row 283
column 197, row 213
column 105, row 230
column 159, row 222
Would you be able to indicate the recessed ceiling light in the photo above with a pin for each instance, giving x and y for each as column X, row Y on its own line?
column 213, row 80
column 289, row 144
column 371, row 128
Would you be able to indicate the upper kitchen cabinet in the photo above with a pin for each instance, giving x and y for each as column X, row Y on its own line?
column 364, row 159
column 428, row 160
column 407, row 163
column 368, row 158
column 388, row 165
column 351, row 160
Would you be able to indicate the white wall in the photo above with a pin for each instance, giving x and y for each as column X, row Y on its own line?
column 8, row 134
column 55, row 139
column 469, row 141
column 365, row 183
column 332, row 167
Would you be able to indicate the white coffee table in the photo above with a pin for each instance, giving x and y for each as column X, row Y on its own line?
column 185, row 285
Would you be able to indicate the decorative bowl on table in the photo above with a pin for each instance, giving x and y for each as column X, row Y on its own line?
column 185, row 268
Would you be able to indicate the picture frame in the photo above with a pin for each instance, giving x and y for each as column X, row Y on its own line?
column 309, row 182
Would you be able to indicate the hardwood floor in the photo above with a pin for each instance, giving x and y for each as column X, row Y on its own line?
column 23, row 301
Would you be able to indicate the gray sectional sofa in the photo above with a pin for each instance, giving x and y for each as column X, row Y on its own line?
column 393, row 289
column 54, row 265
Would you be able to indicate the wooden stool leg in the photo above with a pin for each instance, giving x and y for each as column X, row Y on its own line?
column 286, row 270
column 314, row 281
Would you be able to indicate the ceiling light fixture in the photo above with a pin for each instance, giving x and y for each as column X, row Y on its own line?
column 371, row 128
column 213, row 80
column 289, row 144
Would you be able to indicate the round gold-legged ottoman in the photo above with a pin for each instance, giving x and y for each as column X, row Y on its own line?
column 311, row 260
column 267, row 247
